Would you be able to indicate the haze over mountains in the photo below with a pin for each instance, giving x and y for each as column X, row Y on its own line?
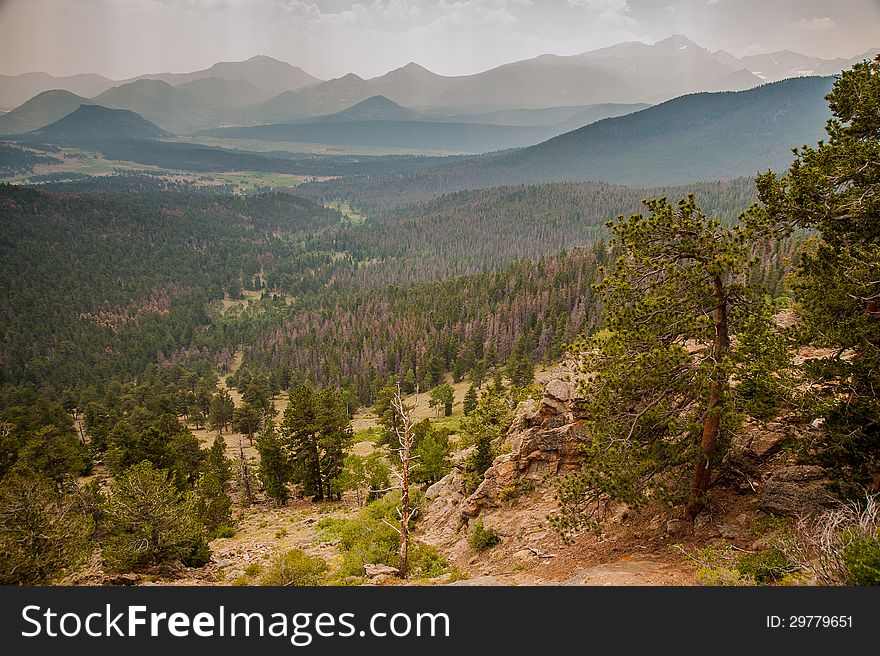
column 697, row 137
column 262, row 90
column 584, row 117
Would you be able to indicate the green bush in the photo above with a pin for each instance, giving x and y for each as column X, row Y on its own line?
column 253, row 569
column 224, row 531
column 861, row 557
column 199, row 554
column 482, row 538
column 367, row 539
column 43, row 534
column 769, row 566
column 426, row 562
column 149, row 521
column 297, row 568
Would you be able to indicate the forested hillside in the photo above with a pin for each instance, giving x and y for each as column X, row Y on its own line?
column 102, row 286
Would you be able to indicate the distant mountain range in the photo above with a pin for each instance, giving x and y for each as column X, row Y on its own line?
column 268, row 76
column 696, row 137
column 703, row 136
column 381, row 123
column 262, row 90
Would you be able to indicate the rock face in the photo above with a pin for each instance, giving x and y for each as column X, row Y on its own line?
column 442, row 518
column 544, row 440
column 764, row 441
column 795, row 490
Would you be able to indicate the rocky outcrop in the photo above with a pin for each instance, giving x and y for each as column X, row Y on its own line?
column 795, row 491
column 544, row 441
column 442, row 519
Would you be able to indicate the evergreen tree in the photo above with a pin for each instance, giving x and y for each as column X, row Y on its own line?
column 215, row 504
column 55, row 452
column 442, row 398
column 834, row 190
column 660, row 407
column 470, row 400
column 42, row 531
column 315, row 432
column 431, row 461
column 247, row 419
column 221, row 411
column 485, row 427
column 275, row 467
column 149, row 521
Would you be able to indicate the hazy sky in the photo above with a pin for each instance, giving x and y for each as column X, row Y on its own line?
column 328, row 38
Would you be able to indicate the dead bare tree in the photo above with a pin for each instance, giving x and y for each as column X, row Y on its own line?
column 245, row 478
column 403, row 431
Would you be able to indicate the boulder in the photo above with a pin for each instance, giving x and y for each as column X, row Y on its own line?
column 561, row 390
column 679, row 528
column 795, row 491
column 768, row 441
column 441, row 520
column 372, row 571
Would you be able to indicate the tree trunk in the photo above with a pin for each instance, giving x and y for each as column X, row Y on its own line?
column 316, row 454
column 245, row 476
column 714, row 407
column 403, row 546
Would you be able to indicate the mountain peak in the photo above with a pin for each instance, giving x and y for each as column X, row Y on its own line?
column 413, row 67
column 265, row 58
column 677, row 41
column 96, row 123
column 374, row 108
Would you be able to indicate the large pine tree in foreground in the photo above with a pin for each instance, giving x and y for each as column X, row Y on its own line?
column 660, row 403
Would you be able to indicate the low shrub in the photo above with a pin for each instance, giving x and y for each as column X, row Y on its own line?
column 224, row 531
column 861, row 557
column 296, row 568
column 482, row 538
column 770, row 566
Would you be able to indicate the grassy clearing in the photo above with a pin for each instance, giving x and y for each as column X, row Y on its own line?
column 347, row 211
column 85, row 162
column 259, row 146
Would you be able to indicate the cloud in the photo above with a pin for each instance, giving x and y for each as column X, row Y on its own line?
column 811, row 25
column 608, row 12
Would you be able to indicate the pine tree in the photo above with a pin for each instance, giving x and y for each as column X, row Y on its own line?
column 215, row 504
column 834, row 190
column 247, row 419
column 470, row 400
column 149, row 521
column 442, row 398
column 315, row 432
column 431, row 457
column 485, row 427
column 660, row 407
column 275, row 467
column 221, row 411
column 42, row 531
